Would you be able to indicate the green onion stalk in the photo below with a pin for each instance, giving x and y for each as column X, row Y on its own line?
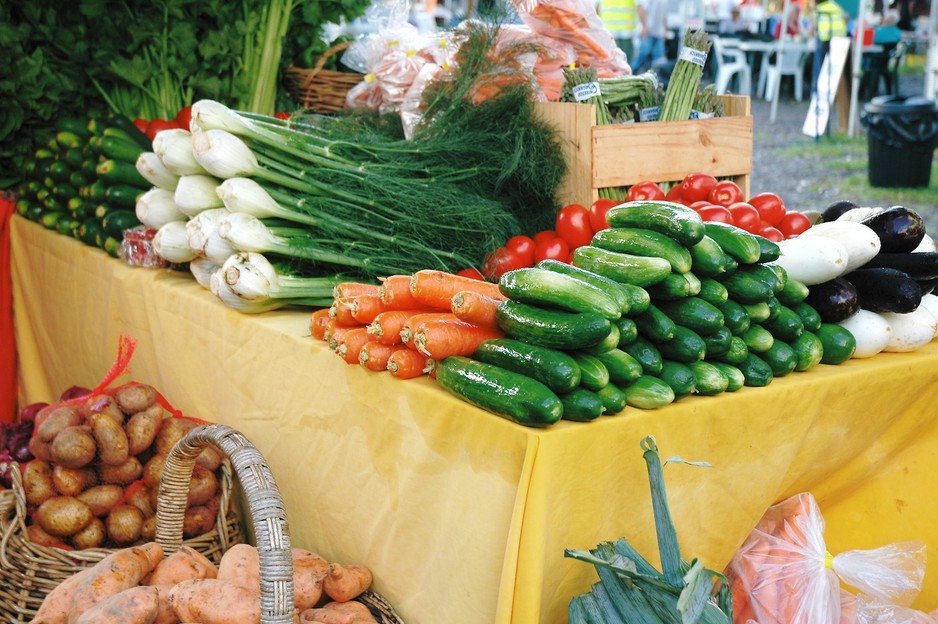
column 255, row 281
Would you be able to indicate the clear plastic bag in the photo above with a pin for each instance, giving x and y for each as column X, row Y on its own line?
column 870, row 611
column 783, row 573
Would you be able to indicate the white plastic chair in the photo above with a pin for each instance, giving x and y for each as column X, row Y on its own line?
column 788, row 63
column 729, row 62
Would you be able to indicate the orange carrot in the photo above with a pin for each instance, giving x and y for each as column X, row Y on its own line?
column 407, row 364
column 318, row 321
column 335, row 332
column 386, row 328
column 351, row 345
column 364, row 308
column 374, row 355
column 443, row 338
column 341, row 310
column 416, row 323
column 353, row 289
column 435, row 289
column 474, row 308
column 395, row 293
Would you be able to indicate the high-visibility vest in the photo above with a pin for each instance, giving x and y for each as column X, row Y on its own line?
column 619, row 16
column 830, row 21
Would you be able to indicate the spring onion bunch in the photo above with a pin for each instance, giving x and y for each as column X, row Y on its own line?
column 251, row 283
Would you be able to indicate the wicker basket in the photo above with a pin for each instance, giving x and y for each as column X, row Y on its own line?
column 29, row 571
column 267, row 514
column 321, row 90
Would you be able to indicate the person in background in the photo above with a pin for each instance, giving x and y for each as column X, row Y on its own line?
column 620, row 18
column 888, row 34
column 792, row 22
column 829, row 21
column 653, row 20
column 753, row 15
column 735, row 24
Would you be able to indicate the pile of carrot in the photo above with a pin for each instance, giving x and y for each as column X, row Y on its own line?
column 407, row 323
column 139, row 585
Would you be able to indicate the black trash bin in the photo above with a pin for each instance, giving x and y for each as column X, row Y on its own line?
column 902, row 135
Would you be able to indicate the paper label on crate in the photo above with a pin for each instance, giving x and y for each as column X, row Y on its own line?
column 696, row 114
column 691, row 55
column 586, row 91
column 649, row 114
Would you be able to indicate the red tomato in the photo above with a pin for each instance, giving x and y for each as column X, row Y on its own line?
column 713, row 212
column 184, row 116
column 697, row 205
column 598, row 210
column 745, row 216
column 643, row 191
column 573, row 225
column 726, row 192
column 544, row 235
column 523, row 248
column 141, row 124
column 555, row 249
column 282, row 115
column 770, row 206
column 472, row 273
column 674, row 195
column 697, row 186
column 793, row 224
column 770, row 232
column 499, row 262
column 156, row 125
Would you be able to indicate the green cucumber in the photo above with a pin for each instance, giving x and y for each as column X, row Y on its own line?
column 647, row 355
column 639, row 298
column 808, row 315
column 75, row 125
column 613, row 398
column 644, row 242
column 786, row 325
column 679, row 376
column 120, row 149
column 112, row 246
column 648, row 392
column 757, row 339
column 72, row 157
column 500, row 391
column 555, row 369
column 581, row 405
column 735, row 242
column 655, row 324
column 685, row 347
column 116, row 222
column 756, row 371
column 775, row 307
column 675, row 220
column 780, row 357
column 734, row 377
column 614, row 289
column 766, row 274
column 793, row 292
column 593, row 373
column 718, row 343
column 745, row 287
column 694, row 313
column 94, row 191
column 709, row 379
column 130, row 130
column 68, row 140
column 707, row 258
column 675, row 286
column 628, row 330
column 626, row 268
column 556, row 329
column 50, row 219
column 713, row 292
column 758, row 312
column 89, row 230
column 808, row 351
column 123, row 196
column 541, row 287
column 609, row 342
column 622, row 367
column 59, row 171
column 769, row 251
column 121, row 172
column 736, row 353
column 838, row 343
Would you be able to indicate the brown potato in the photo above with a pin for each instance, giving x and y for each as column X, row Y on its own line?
column 101, row 499
column 148, row 529
column 140, row 498
column 142, row 428
column 125, row 474
column 37, row 482
column 92, row 536
column 113, row 448
column 102, row 404
column 171, row 432
column 40, row 448
column 72, row 481
column 153, row 471
column 74, row 447
column 59, row 418
column 63, row 516
column 135, row 398
column 210, row 458
column 202, row 486
column 199, row 519
column 123, row 524
column 38, row 536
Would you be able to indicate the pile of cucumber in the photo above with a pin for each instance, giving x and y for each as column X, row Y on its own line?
column 84, row 181
column 660, row 306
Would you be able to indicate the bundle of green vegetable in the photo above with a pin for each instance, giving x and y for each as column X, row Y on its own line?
column 685, row 79
column 631, row 590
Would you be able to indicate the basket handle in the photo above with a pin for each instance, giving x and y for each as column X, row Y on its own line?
column 321, row 62
column 264, row 502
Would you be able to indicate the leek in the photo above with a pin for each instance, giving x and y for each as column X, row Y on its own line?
column 255, row 281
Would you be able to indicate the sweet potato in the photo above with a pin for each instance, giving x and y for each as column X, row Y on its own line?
column 124, row 474
column 142, row 428
column 101, row 404
column 124, row 524
column 165, row 613
column 136, row 605
column 309, row 569
column 63, row 516
column 350, row 612
column 118, row 571
column 135, row 398
column 113, row 448
column 343, row 583
column 55, row 606
column 171, row 432
column 211, row 601
column 74, row 447
column 37, row 482
column 102, row 498
column 72, row 481
column 92, row 536
column 240, row 565
column 186, row 563
column 58, row 418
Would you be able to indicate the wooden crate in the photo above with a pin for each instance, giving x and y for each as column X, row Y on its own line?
column 625, row 154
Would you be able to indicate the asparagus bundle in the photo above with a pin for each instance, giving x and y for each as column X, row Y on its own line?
column 685, row 79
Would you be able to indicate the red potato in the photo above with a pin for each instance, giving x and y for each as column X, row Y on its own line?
column 55, row 606
column 63, row 516
column 40, row 449
column 136, row 605
column 210, row 458
column 309, row 570
column 140, row 496
column 211, row 601
column 101, row 404
column 57, row 418
column 343, row 583
column 38, row 486
column 124, row 524
column 203, row 485
column 92, row 536
column 171, row 432
column 142, row 428
column 102, row 498
column 186, row 563
column 71, row 481
column 135, row 398
column 118, row 571
column 338, row 613
column 124, row 474
column 113, row 447
column 74, row 447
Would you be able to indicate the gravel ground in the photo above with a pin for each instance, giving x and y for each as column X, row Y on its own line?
column 811, row 173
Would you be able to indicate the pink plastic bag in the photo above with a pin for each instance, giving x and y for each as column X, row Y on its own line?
column 783, row 573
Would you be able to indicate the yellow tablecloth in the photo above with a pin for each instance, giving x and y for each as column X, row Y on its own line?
column 462, row 515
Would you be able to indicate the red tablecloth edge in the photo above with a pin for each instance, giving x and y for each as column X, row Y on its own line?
column 7, row 338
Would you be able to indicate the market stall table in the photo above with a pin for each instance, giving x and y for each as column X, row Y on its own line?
column 462, row 515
